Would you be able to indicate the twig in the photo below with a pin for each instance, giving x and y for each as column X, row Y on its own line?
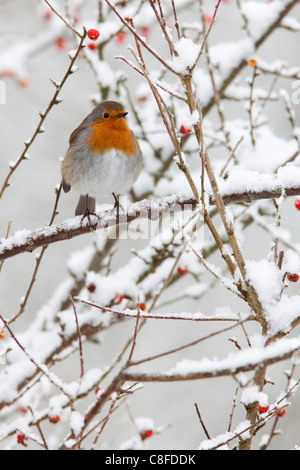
column 38, row 261
column 54, row 100
column 176, row 19
column 37, row 424
column 41, row 367
column 232, row 74
column 201, row 421
column 6, row 237
column 162, row 22
column 220, row 370
column 164, row 316
column 185, row 346
column 206, row 35
column 135, row 332
column 251, row 102
column 141, row 40
column 233, row 408
column 169, row 123
column 79, row 338
column 62, row 18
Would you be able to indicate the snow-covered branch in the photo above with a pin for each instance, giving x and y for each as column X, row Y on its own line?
column 152, row 209
column 242, row 361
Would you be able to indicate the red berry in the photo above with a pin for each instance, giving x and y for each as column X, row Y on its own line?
column 142, row 306
column 54, row 419
column 146, row 434
column 207, row 19
column 6, row 73
column 21, row 438
column 297, row 204
column 280, row 413
column 184, row 130
column 91, row 287
column 92, row 46
column 22, row 410
column 60, row 43
column 118, row 298
column 145, row 32
column 47, row 15
column 182, row 271
column 22, row 83
column 263, row 409
column 120, row 37
column 76, row 20
column 93, row 34
column 142, row 98
column 292, row 277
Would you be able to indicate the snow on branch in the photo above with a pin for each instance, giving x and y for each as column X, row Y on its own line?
column 242, row 361
column 28, row 241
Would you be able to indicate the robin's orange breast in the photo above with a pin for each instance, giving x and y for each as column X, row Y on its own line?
column 112, row 135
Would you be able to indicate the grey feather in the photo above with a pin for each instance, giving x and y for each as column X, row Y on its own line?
column 66, row 186
column 85, row 203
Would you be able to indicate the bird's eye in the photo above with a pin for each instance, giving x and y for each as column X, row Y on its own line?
column 105, row 115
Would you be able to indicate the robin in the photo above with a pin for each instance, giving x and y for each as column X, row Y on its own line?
column 103, row 157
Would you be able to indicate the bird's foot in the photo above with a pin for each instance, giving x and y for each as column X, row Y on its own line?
column 87, row 214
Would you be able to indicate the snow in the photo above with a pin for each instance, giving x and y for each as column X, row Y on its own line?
column 20, row 237
column 216, row 442
column 252, row 394
column 189, row 120
column 187, row 52
column 135, row 443
column 225, row 57
column 221, row 441
column 282, row 315
column 144, row 424
column 76, row 422
column 279, row 309
column 261, row 15
column 266, row 279
column 79, row 261
column 242, row 359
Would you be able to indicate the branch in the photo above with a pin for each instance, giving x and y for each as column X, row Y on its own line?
column 43, row 115
column 28, row 241
column 264, row 36
column 243, row 361
column 251, row 196
column 165, row 316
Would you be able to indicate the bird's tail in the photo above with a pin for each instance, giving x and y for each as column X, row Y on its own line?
column 85, row 203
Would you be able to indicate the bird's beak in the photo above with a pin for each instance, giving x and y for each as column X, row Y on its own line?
column 122, row 115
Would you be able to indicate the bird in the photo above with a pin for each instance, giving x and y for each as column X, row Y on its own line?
column 104, row 157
